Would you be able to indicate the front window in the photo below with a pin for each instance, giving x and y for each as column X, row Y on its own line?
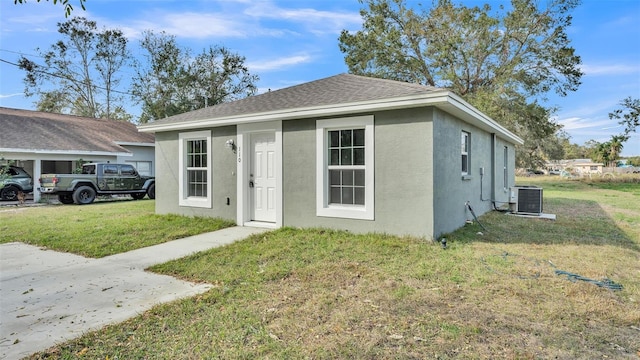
column 195, row 165
column 345, row 167
column 465, row 152
column 196, row 168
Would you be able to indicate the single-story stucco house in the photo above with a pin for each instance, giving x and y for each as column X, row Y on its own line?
column 345, row 152
column 577, row 166
column 43, row 142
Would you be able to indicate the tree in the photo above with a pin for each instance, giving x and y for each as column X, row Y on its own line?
column 634, row 161
column 501, row 62
column 80, row 72
column 68, row 8
column 573, row 151
column 171, row 81
column 608, row 152
column 628, row 115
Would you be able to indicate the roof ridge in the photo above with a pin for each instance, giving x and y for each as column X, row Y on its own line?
column 39, row 113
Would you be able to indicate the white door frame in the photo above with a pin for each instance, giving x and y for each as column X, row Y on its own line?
column 243, row 215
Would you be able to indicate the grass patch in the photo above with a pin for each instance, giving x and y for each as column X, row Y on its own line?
column 99, row 229
column 316, row 293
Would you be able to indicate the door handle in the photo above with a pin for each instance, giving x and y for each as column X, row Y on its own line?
column 250, row 184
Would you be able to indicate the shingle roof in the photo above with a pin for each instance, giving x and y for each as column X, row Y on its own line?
column 42, row 131
column 337, row 95
column 338, row 89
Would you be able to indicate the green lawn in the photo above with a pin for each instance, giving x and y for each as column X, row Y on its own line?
column 315, row 293
column 99, row 229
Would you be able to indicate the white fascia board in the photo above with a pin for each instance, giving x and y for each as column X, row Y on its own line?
column 122, row 143
column 301, row 113
column 445, row 100
column 479, row 119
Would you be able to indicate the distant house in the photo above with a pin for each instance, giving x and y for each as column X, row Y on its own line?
column 345, row 152
column 53, row 143
column 578, row 166
column 586, row 166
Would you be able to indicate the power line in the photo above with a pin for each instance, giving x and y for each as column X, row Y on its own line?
column 21, row 53
column 67, row 78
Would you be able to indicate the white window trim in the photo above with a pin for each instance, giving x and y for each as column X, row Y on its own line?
column 467, row 153
column 505, row 170
column 192, row 201
column 323, row 208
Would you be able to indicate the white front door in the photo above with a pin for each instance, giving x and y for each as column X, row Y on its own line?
column 262, row 177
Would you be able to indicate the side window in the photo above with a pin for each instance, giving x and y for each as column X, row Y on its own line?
column 466, row 150
column 110, row 169
column 127, row 170
column 89, row 169
column 505, row 168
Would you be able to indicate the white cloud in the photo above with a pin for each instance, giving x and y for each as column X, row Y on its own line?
column 316, row 21
column 615, row 69
column 239, row 19
column 278, row 64
column 3, row 96
column 577, row 123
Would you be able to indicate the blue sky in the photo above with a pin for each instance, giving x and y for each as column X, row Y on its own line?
column 287, row 42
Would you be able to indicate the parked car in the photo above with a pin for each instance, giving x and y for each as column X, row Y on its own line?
column 14, row 179
column 98, row 179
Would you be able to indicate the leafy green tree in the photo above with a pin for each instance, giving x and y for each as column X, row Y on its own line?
column 634, row 161
column 501, row 62
column 608, row 152
column 68, row 8
column 628, row 115
column 172, row 81
column 80, row 73
column 574, row 151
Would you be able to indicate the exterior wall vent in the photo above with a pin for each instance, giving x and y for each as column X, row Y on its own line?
column 526, row 200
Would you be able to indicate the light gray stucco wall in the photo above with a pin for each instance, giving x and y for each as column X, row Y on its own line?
column 223, row 175
column 403, row 167
column 451, row 190
column 501, row 192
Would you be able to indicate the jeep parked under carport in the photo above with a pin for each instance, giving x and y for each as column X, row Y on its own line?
column 98, row 179
column 13, row 180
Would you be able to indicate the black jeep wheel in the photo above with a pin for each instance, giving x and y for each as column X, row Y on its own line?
column 84, row 195
column 151, row 191
column 9, row 192
column 138, row 196
column 65, row 198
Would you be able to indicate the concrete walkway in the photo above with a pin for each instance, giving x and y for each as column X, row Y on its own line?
column 47, row 297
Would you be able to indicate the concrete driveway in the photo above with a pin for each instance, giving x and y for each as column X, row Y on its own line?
column 47, row 297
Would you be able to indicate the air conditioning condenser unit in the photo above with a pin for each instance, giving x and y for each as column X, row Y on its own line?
column 526, row 200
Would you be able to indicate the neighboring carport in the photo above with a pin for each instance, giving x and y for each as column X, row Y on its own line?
column 42, row 142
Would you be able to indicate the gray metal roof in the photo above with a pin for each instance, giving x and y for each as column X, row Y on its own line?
column 334, row 90
column 42, row 131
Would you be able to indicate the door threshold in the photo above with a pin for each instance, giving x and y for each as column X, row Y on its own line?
column 261, row 224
